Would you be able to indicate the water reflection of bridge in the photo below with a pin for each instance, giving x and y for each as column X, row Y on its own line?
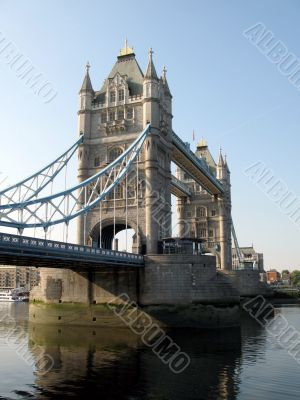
column 116, row 364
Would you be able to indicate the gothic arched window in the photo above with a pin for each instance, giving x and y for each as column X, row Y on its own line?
column 121, row 95
column 114, row 153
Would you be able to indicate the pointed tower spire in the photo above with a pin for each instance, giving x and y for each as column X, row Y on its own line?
column 151, row 72
column 165, row 82
column 226, row 163
column 221, row 160
column 87, row 84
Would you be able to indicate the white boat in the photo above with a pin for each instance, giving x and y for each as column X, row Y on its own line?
column 6, row 296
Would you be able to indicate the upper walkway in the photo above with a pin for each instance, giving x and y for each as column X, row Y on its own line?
column 195, row 167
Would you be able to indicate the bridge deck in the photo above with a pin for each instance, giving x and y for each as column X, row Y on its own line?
column 27, row 251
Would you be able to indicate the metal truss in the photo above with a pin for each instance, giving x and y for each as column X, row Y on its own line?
column 71, row 203
column 32, row 186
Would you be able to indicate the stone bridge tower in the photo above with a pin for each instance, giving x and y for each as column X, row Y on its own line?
column 205, row 216
column 111, row 120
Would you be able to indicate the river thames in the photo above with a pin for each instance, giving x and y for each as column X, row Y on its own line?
column 40, row 362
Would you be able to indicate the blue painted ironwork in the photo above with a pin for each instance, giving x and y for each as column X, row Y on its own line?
column 30, row 187
column 79, row 199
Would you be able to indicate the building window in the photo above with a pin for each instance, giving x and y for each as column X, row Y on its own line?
column 103, row 117
column 112, row 96
column 213, row 213
column 97, row 162
column 202, row 233
column 189, row 214
column 120, row 114
column 210, row 233
column 131, row 192
column 112, row 116
column 114, row 153
column 201, row 212
column 118, row 192
column 129, row 114
column 121, row 94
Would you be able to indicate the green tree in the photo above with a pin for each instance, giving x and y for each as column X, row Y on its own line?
column 295, row 277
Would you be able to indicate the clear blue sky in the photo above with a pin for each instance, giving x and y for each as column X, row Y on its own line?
column 222, row 87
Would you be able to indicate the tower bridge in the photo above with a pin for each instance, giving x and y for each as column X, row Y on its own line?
column 125, row 149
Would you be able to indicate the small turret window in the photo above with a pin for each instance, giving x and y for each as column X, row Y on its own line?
column 121, row 94
column 112, row 96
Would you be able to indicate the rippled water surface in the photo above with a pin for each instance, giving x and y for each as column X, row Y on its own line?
column 245, row 363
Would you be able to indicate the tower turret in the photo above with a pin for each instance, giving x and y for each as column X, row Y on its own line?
column 225, row 221
column 86, row 95
column 151, row 94
column 166, row 98
column 86, row 92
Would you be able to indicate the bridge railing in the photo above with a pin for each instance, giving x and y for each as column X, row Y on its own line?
column 9, row 240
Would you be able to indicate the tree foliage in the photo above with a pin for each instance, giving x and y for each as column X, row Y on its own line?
column 295, row 277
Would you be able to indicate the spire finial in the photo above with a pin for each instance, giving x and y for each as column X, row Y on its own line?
column 164, row 71
column 126, row 49
column 220, row 161
column 151, row 52
column 87, row 67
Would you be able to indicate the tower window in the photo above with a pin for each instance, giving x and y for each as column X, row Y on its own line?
column 201, row 212
column 121, row 94
column 118, row 192
column 210, row 233
column 202, row 233
column 103, row 117
column 129, row 114
column 213, row 213
column 112, row 116
column 114, row 153
column 112, row 96
column 97, row 162
column 120, row 114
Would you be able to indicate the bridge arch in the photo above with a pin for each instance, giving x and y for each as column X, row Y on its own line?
column 107, row 233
